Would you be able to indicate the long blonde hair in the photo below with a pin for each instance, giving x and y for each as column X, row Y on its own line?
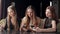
column 34, row 19
column 9, row 18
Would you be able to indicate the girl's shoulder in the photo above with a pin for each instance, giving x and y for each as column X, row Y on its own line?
column 3, row 22
column 23, row 18
column 38, row 18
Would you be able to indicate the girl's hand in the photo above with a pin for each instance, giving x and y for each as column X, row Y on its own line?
column 1, row 26
column 37, row 28
column 8, row 29
column 1, row 29
column 24, row 29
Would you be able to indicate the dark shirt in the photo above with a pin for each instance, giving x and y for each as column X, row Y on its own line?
column 48, row 23
column 11, row 25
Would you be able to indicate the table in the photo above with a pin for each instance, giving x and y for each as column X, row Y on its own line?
column 19, row 32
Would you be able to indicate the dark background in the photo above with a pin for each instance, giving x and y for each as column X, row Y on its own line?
column 21, row 5
column 39, row 6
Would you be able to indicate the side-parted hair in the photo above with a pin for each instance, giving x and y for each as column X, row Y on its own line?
column 52, row 9
column 26, row 19
column 12, row 6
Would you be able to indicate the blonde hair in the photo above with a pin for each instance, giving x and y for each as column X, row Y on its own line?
column 27, row 20
column 9, row 18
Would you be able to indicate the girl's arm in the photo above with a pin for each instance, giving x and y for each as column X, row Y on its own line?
column 53, row 29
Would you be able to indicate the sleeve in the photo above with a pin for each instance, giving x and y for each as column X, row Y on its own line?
column 3, row 23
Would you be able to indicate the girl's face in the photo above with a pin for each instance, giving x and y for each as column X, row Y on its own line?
column 11, row 12
column 48, row 13
column 30, row 12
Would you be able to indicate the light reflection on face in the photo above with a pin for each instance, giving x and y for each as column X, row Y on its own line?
column 11, row 12
column 48, row 13
column 29, row 12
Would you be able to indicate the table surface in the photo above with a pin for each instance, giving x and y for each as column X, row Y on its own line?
column 18, row 32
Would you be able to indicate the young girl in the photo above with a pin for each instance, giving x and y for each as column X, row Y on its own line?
column 30, row 20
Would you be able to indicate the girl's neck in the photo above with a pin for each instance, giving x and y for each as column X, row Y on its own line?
column 49, row 17
column 31, row 18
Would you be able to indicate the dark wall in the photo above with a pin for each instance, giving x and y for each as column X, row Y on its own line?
column 0, row 8
column 5, row 4
column 45, row 3
column 21, row 6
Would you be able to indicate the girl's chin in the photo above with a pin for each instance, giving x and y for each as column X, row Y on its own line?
column 12, row 15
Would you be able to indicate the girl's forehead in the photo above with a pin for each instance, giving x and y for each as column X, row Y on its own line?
column 10, row 10
column 48, row 10
column 29, row 10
